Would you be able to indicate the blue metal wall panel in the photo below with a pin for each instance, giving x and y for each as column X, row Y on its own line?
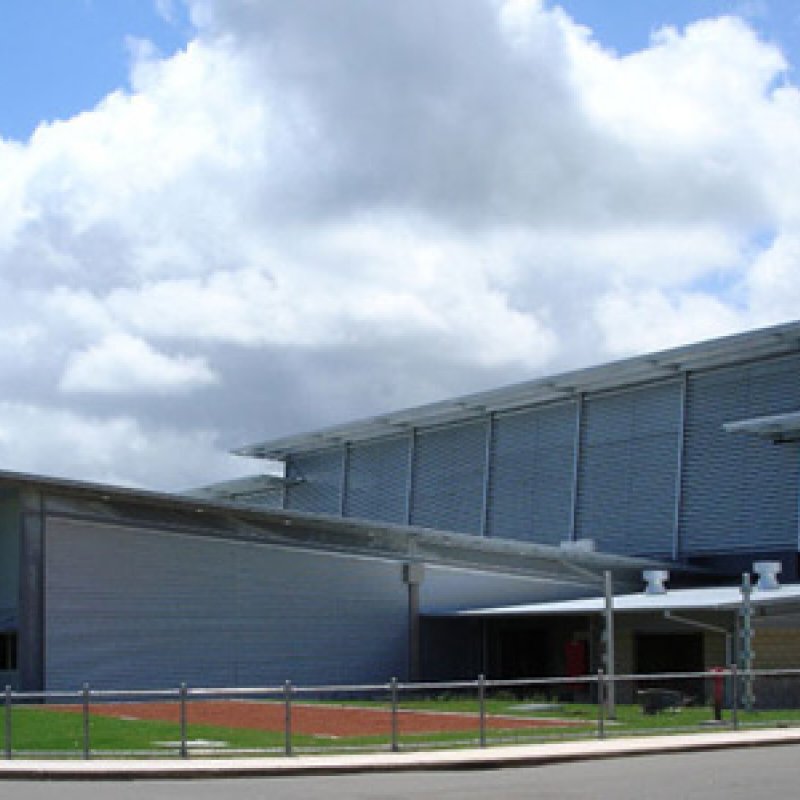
column 9, row 561
column 137, row 608
column 449, row 477
column 739, row 493
column 627, row 472
column 530, row 490
column 377, row 478
column 319, row 477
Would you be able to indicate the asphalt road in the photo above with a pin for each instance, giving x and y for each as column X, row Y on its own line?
column 739, row 774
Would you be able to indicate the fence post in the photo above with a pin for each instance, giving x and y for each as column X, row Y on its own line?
column 393, row 693
column 735, row 696
column 287, row 716
column 601, row 705
column 184, row 743
column 86, row 742
column 482, row 708
column 8, row 721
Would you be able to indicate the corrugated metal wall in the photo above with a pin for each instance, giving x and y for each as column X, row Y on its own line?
column 377, row 480
column 530, row 490
column 319, row 486
column 448, row 477
column 9, row 560
column 627, row 474
column 739, row 493
column 149, row 609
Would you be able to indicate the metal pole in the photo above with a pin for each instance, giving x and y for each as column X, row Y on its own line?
column 184, row 743
column 735, row 696
column 287, row 717
column 610, row 653
column 676, row 518
column 601, row 705
column 487, row 475
column 746, row 612
column 86, row 743
column 482, row 708
column 576, row 463
column 8, row 721
column 393, row 691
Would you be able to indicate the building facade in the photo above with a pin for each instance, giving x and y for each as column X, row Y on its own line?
column 634, row 456
column 356, row 563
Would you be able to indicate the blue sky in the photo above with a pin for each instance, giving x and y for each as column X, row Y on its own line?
column 60, row 57
column 627, row 25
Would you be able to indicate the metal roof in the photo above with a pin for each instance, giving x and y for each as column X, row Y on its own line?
column 718, row 598
column 778, row 427
column 330, row 533
column 773, row 341
column 242, row 488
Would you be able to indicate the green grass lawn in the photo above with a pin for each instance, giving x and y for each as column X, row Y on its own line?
column 41, row 731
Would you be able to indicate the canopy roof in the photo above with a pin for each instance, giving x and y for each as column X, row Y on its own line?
column 718, row 598
column 778, row 427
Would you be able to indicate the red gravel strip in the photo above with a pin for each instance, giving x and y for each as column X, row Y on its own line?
column 320, row 720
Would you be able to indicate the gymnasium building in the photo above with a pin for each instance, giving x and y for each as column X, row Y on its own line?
column 471, row 535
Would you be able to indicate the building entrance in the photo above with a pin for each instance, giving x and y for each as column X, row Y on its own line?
column 669, row 652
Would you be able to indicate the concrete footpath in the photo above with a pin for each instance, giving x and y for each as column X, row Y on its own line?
column 489, row 758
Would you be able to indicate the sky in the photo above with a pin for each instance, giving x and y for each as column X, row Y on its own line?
column 223, row 221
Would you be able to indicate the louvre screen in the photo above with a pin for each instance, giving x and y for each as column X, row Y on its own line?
column 448, row 478
column 319, row 482
column 628, row 467
column 531, row 474
column 740, row 492
column 377, row 480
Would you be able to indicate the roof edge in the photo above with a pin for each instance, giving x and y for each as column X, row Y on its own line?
column 661, row 365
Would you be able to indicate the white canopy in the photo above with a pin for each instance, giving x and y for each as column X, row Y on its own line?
column 718, row 598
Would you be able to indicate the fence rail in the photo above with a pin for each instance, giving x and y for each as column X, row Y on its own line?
column 478, row 712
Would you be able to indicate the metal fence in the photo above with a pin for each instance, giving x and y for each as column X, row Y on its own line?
column 284, row 720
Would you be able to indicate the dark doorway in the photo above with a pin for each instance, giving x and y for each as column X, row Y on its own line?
column 670, row 652
column 522, row 652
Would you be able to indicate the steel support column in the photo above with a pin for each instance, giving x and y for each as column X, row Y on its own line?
column 676, row 523
column 31, row 645
column 576, row 462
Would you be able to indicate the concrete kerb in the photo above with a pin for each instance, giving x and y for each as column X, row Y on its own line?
column 490, row 758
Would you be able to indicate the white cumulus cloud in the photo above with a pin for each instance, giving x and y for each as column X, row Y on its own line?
column 316, row 211
column 123, row 364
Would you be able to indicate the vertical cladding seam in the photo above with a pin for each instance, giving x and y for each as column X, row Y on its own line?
column 344, row 477
column 676, row 534
column 576, row 461
column 412, row 457
column 487, row 474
